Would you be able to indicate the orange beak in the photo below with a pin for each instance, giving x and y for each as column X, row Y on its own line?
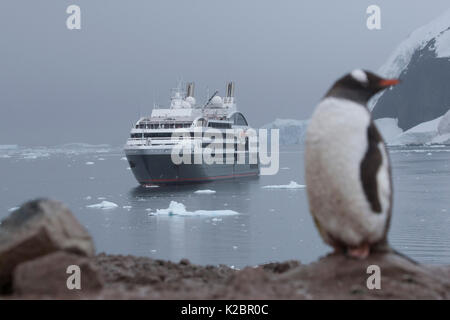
column 388, row 82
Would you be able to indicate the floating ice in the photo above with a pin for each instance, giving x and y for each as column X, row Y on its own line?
column 89, row 163
column 123, row 158
column 8, row 146
column 127, row 207
column 291, row 185
column 176, row 208
column 105, row 205
column 88, row 198
column 206, row 191
column 31, row 153
column 13, row 209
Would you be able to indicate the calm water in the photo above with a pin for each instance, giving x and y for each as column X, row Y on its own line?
column 272, row 224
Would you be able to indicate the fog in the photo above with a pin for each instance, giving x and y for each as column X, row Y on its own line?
column 90, row 85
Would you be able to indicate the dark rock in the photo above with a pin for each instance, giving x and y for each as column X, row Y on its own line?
column 423, row 94
column 332, row 277
column 38, row 228
column 47, row 276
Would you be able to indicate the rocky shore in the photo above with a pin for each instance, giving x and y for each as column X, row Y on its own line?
column 42, row 238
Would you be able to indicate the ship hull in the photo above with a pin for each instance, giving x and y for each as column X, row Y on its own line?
column 158, row 169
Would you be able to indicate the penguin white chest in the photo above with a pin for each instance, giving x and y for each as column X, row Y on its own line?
column 336, row 143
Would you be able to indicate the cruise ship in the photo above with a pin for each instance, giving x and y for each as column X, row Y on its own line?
column 185, row 125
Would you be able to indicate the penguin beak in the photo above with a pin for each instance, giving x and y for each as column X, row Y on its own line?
column 385, row 83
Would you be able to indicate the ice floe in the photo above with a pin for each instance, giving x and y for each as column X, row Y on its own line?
column 89, row 163
column 179, row 209
column 105, row 205
column 38, row 152
column 13, row 209
column 291, row 185
column 206, row 191
column 8, row 146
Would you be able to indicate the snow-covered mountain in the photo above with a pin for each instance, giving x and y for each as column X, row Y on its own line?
column 422, row 62
column 291, row 131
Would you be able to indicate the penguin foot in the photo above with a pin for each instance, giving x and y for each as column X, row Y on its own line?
column 361, row 252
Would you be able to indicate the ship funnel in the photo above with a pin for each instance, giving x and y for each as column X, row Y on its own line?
column 230, row 89
column 190, row 89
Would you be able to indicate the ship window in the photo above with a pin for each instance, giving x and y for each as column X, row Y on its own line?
column 219, row 125
column 239, row 119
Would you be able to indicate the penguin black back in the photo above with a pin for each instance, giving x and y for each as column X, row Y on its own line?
column 359, row 86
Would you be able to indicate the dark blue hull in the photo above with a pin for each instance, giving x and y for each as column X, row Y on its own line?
column 158, row 169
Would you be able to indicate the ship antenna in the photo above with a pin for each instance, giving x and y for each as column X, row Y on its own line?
column 209, row 101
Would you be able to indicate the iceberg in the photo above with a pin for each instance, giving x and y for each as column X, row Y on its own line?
column 105, row 205
column 179, row 209
column 389, row 129
column 291, row 131
column 291, row 185
column 421, row 134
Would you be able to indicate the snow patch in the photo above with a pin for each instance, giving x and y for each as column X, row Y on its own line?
column 444, row 125
column 402, row 55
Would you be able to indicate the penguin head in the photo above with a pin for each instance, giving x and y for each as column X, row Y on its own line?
column 360, row 86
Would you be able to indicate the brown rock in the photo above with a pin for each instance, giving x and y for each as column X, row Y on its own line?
column 48, row 276
column 38, row 228
column 339, row 277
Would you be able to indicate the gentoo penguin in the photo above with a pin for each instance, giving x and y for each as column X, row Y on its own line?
column 347, row 167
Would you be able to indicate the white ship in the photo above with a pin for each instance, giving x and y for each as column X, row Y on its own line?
column 152, row 141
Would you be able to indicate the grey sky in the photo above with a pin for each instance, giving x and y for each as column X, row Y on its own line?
column 59, row 86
